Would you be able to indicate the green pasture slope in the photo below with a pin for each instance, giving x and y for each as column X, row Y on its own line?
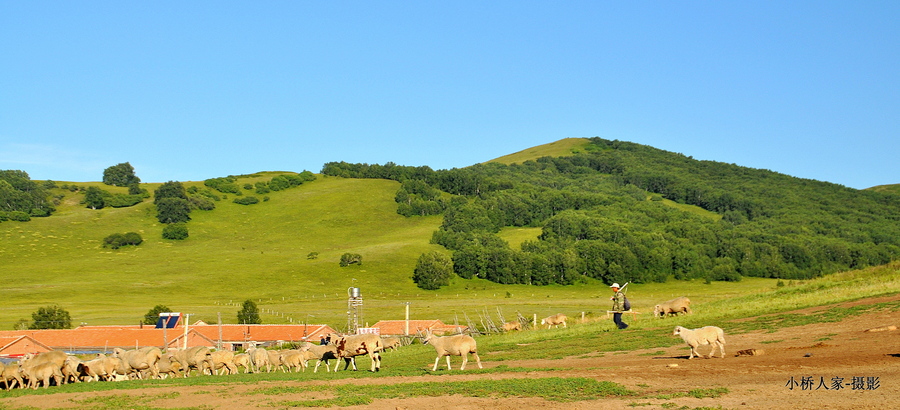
column 260, row 252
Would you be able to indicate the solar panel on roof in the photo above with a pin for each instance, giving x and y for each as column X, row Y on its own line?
column 167, row 320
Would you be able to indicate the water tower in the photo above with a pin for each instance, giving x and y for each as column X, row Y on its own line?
column 354, row 309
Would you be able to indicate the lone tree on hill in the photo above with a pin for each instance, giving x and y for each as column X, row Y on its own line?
column 153, row 315
column 249, row 314
column 51, row 317
column 120, row 175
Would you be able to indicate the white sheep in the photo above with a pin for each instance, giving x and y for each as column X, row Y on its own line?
column 389, row 342
column 708, row 335
column 514, row 325
column 456, row 345
column 322, row 353
column 673, row 307
column 555, row 320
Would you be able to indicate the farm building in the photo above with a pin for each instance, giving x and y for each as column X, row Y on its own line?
column 105, row 338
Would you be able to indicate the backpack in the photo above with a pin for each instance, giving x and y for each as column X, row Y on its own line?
column 626, row 305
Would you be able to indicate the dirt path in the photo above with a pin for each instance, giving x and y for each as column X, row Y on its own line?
column 814, row 356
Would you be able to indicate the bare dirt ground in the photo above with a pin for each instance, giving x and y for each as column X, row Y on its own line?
column 818, row 353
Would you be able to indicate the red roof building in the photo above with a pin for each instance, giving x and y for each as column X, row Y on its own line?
column 105, row 338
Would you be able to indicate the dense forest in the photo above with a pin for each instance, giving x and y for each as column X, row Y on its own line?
column 612, row 212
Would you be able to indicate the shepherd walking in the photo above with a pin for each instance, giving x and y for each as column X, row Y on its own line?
column 618, row 306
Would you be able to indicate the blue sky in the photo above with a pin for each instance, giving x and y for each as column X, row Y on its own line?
column 186, row 91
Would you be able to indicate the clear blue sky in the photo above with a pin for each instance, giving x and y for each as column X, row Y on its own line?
column 192, row 90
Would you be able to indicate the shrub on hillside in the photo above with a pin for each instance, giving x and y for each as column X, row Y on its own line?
column 225, row 185
column 348, row 259
column 173, row 210
column 202, row 203
column 248, row 200
column 177, row 231
column 17, row 216
column 118, row 240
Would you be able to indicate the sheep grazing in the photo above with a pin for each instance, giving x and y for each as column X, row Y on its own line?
column 456, row 345
column 709, row 335
column 259, row 359
column 389, row 342
column 515, row 325
column 223, row 360
column 673, row 307
column 555, row 320
column 145, row 358
column 242, row 360
column 322, row 353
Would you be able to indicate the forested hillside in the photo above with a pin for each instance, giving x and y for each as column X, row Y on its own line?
column 611, row 212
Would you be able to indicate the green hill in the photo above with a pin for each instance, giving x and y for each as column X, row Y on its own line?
column 579, row 212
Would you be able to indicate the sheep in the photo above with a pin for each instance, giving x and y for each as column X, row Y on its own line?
column 242, row 360
column 709, row 335
column 11, row 375
column 73, row 370
column 392, row 343
column 294, row 359
column 322, row 353
column 351, row 346
column 510, row 326
column 41, row 372
column 555, row 320
column 197, row 357
column 223, row 359
column 145, row 358
column 168, row 366
column 259, row 359
column 102, row 367
column 275, row 360
column 673, row 307
column 40, row 367
column 456, row 345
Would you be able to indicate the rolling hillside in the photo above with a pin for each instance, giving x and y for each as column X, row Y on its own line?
column 283, row 252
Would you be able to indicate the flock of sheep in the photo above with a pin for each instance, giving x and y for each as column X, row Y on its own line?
column 57, row 367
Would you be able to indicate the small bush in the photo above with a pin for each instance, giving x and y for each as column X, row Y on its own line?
column 348, row 259
column 18, row 216
column 175, row 231
column 248, row 200
column 118, row 240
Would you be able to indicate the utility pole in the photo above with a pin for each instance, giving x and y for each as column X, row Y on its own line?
column 186, row 321
column 406, row 325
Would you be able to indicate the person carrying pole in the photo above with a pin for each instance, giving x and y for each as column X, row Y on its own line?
column 620, row 304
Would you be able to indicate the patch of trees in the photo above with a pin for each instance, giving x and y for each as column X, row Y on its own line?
column 172, row 205
column 120, row 175
column 348, row 259
column 21, row 198
column 97, row 198
column 118, row 240
column 604, row 215
column 50, row 317
column 176, row 231
column 229, row 184
column 247, row 200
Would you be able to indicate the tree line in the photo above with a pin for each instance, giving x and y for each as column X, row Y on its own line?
column 607, row 213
